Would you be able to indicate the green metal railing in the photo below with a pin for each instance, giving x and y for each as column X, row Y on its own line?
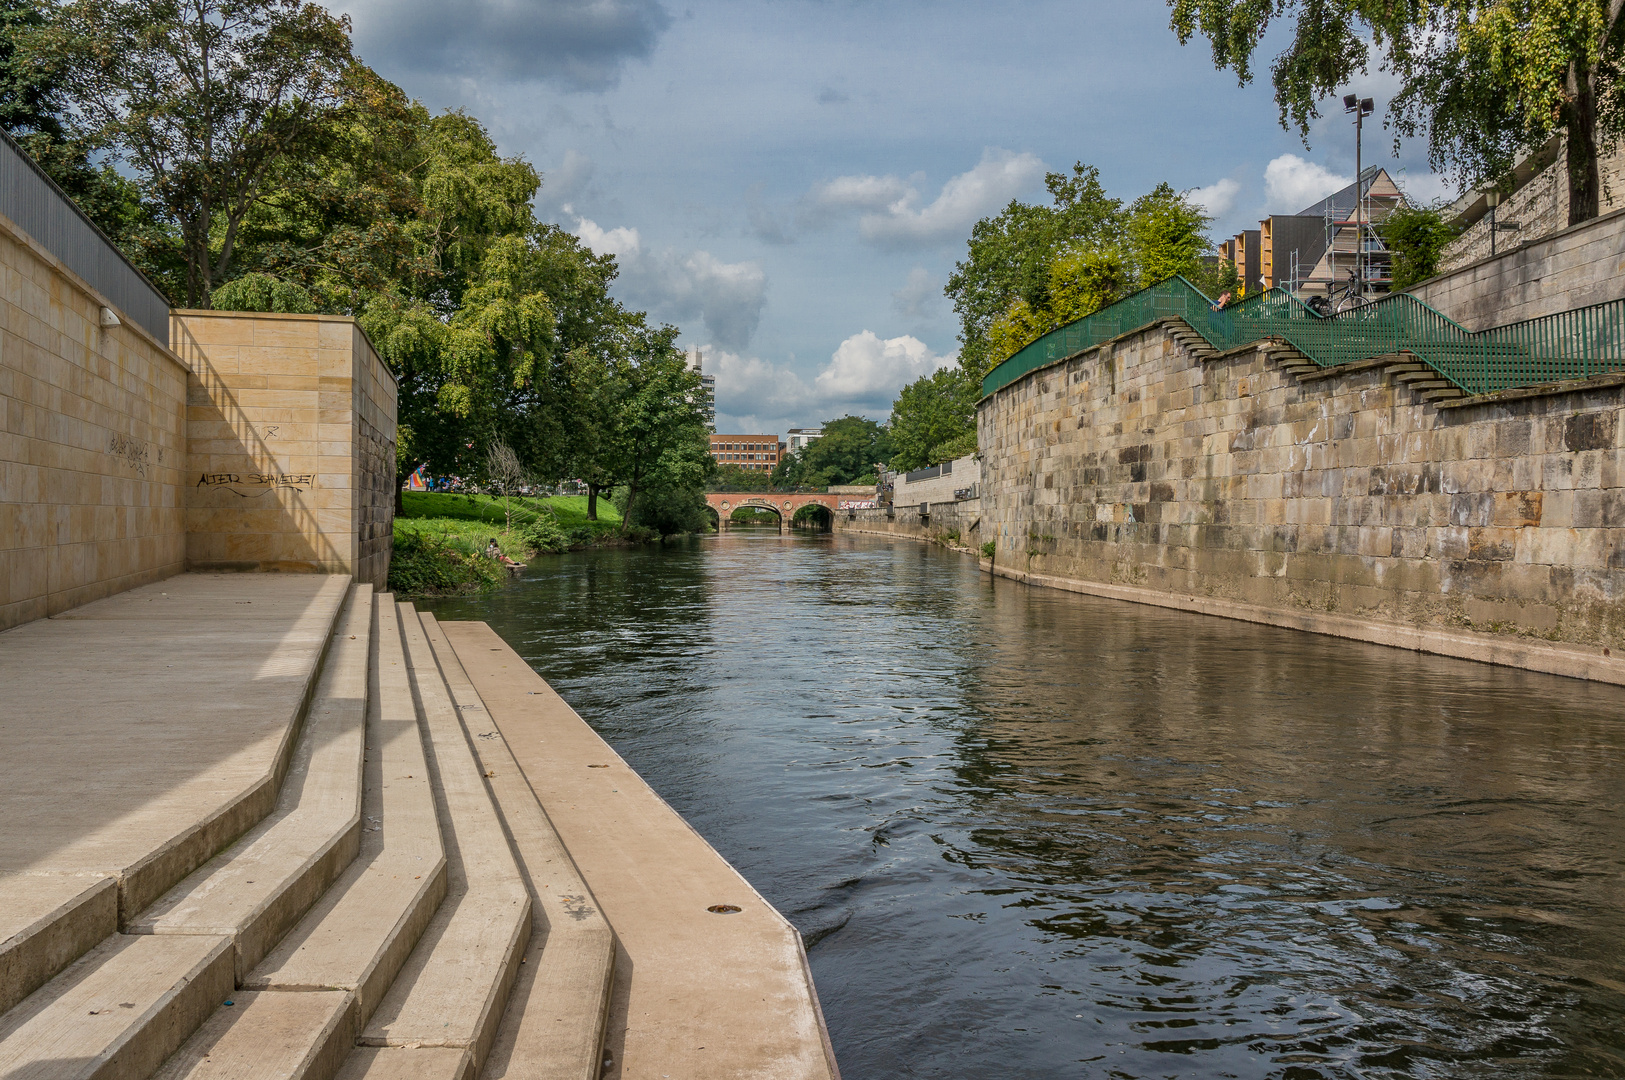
column 1569, row 345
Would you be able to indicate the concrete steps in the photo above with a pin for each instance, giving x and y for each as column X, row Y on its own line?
column 357, row 936
column 555, row 1023
column 118, row 1011
column 453, row 989
column 392, row 916
column 256, row 890
column 267, row 1036
column 179, row 773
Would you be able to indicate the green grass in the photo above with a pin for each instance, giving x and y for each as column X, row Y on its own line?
column 440, row 539
column 570, row 509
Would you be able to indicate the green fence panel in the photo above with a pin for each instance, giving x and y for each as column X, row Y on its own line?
column 1569, row 345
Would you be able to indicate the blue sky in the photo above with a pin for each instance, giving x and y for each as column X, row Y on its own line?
column 791, row 181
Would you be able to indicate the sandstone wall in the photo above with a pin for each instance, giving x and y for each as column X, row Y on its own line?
column 963, row 518
column 92, row 440
column 1540, row 208
column 291, row 444
column 1572, row 268
column 1139, row 469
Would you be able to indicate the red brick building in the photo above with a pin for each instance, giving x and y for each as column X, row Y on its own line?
column 758, row 453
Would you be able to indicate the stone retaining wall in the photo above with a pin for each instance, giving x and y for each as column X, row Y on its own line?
column 962, row 517
column 92, row 442
column 1573, row 268
column 1139, row 466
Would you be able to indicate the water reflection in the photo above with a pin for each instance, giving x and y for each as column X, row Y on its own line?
column 1031, row 834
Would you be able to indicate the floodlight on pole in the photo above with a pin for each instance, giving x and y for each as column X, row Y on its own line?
column 1361, row 108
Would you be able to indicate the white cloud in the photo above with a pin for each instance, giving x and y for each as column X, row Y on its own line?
column 999, row 177
column 917, row 298
column 866, row 369
column 622, row 242
column 1292, row 184
column 862, row 376
column 1217, row 198
column 678, row 285
column 1426, row 187
column 861, row 193
column 890, row 211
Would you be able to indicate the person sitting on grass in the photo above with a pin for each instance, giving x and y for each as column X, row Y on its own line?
column 493, row 551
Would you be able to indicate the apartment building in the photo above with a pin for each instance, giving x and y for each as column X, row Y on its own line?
column 757, row 453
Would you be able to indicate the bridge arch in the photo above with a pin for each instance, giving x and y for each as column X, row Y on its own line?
column 782, row 503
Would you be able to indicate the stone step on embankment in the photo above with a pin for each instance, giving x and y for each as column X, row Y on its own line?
column 714, row 982
column 155, row 990
column 555, row 1022
column 269, row 1036
column 300, row 1011
column 255, row 891
column 357, row 936
column 452, row 991
column 98, row 825
column 118, row 1011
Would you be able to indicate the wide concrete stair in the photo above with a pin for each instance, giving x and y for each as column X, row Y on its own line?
column 377, row 913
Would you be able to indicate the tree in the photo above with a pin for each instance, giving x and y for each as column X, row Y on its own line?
column 660, row 440
column 1417, row 235
column 850, row 448
column 1161, row 234
column 1482, row 78
column 934, row 411
column 507, row 472
column 203, row 100
column 35, row 111
column 1009, row 256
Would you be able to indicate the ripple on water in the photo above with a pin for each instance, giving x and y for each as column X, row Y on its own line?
column 1033, row 834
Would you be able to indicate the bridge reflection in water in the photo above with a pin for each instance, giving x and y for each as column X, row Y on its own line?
column 1032, row 834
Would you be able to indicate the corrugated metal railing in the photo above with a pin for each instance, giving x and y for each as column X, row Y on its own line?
column 1569, row 345
column 41, row 209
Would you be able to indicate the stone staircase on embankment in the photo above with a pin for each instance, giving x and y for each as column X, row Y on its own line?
column 332, row 891
column 1405, row 369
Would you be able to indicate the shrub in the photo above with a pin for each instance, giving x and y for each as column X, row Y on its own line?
column 424, row 565
column 543, row 535
column 989, row 548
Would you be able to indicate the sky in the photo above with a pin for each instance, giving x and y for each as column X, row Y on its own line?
column 791, row 182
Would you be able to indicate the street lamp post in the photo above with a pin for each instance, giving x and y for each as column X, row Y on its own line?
column 1493, row 198
column 1361, row 108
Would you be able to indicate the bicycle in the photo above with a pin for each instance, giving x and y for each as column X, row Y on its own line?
column 1348, row 298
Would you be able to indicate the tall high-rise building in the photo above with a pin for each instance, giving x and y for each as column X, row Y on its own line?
column 708, row 389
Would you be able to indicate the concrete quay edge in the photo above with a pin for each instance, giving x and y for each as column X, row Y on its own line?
column 738, row 981
column 1571, row 661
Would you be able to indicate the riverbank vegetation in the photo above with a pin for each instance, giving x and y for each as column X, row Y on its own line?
column 441, row 540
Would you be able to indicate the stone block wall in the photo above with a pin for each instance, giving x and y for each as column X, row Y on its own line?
column 1571, row 268
column 1540, row 208
column 1141, row 467
column 290, row 444
column 963, row 517
column 92, row 442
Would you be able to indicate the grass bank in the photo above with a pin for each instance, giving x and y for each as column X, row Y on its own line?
column 440, row 539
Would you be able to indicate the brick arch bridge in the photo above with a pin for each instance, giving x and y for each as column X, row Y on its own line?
column 783, row 504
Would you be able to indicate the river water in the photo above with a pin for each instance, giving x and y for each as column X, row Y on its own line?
column 1032, row 834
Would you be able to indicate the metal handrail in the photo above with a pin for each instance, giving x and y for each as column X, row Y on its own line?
column 1568, row 345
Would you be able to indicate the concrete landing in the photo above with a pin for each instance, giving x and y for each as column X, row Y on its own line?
column 140, row 734
column 699, row 995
